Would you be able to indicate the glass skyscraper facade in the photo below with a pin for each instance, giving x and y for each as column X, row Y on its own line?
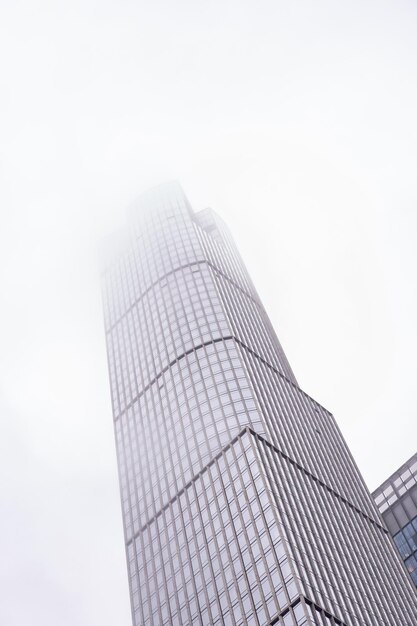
column 396, row 499
column 241, row 502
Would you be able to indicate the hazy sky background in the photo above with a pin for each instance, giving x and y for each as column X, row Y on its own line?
column 297, row 121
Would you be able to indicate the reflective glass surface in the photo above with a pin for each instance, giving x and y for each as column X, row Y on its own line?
column 406, row 542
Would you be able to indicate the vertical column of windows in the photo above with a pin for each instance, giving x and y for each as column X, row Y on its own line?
column 320, row 560
column 344, row 560
column 227, row 253
column 292, row 421
column 266, row 341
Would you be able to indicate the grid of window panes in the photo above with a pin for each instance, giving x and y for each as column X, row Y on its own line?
column 213, row 555
column 193, row 360
column 406, row 542
column 177, row 425
column 216, row 553
column 397, row 485
column 238, row 292
column 304, row 430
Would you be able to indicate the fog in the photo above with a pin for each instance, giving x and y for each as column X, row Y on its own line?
column 296, row 121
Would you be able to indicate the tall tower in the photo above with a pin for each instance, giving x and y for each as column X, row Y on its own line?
column 241, row 502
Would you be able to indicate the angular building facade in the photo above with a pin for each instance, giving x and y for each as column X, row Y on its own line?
column 396, row 500
column 241, row 502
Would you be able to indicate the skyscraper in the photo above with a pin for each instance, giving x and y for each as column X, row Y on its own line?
column 396, row 499
column 241, row 502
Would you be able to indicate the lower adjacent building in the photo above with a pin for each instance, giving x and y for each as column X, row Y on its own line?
column 396, row 500
column 242, row 504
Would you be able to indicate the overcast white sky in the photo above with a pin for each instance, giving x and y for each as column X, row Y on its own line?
column 296, row 120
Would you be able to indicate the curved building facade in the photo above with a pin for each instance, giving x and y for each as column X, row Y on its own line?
column 241, row 501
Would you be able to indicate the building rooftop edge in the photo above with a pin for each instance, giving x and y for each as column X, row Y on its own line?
column 394, row 475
